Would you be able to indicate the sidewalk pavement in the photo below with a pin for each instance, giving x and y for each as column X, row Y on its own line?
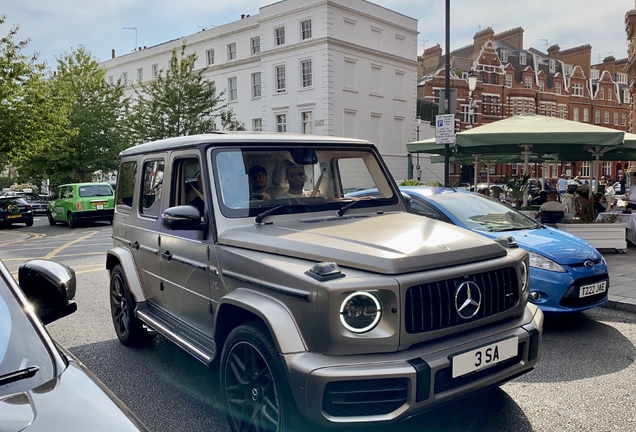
column 622, row 271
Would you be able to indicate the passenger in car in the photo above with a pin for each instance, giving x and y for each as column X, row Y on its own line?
column 296, row 178
column 258, row 183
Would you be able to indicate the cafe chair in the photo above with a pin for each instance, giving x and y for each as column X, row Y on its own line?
column 551, row 218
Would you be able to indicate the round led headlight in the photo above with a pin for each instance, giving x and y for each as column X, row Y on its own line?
column 525, row 277
column 360, row 312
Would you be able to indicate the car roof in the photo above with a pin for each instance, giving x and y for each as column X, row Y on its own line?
column 86, row 184
column 229, row 138
column 431, row 190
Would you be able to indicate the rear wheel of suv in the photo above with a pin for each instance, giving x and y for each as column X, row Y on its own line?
column 128, row 327
column 253, row 382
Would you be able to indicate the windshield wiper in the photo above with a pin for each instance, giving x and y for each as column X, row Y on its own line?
column 259, row 218
column 346, row 207
column 19, row 375
column 510, row 229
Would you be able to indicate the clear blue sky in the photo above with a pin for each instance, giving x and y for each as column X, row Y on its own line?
column 57, row 26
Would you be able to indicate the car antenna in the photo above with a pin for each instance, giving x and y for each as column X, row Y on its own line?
column 438, row 178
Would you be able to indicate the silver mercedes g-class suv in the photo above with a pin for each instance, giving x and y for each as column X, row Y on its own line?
column 244, row 250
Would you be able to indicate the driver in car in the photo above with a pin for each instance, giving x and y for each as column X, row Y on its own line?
column 258, row 183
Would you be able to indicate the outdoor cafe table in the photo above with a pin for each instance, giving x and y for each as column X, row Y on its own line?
column 628, row 218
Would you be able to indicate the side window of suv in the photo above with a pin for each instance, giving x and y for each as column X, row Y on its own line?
column 125, row 186
column 151, row 188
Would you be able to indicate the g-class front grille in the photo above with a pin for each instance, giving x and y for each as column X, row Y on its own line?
column 432, row 306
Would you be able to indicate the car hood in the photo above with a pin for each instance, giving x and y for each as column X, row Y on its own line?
column 73, row 401
column 557, row 245
column 391, row 243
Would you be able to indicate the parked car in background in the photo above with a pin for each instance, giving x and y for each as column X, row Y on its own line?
column 567, row 274
column 43, row 388
column 14, row 209
column 37, row 203
column 82, row 202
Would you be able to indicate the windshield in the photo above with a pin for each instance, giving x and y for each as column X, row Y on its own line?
column 483, row 214
column 20, row 346
column 252, row 180
column 95, row 191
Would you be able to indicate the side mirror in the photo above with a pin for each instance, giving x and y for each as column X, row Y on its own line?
column 183, row 217
column 50, row 287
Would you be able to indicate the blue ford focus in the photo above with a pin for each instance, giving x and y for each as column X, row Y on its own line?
column 567, row 274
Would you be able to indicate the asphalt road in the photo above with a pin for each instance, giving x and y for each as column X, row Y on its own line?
column 585, row 380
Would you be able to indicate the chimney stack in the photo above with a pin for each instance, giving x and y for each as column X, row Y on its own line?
column 112, row 54
column 242, row 16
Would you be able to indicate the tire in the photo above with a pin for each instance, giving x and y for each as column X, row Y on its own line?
column 128, row 327
column 29, row 223
column 51, row 220
column 72, row 222
column 254, row 386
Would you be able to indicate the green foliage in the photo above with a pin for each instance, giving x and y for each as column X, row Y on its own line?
column 516, row 185
column 30, row 114
column 94, row 136
column 410, row 182
column 180, row 101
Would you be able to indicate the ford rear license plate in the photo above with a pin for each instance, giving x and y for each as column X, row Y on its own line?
column 485, row 356
column 591, row 289
column 14, row 216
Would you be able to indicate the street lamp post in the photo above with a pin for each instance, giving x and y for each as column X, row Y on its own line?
column 417, row 157
column 472, row 85
column 472, row 104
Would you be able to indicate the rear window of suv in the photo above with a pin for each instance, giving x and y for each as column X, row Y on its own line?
column 91, row 191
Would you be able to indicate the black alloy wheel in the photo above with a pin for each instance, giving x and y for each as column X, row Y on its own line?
column 128, row 327
column 254, row 384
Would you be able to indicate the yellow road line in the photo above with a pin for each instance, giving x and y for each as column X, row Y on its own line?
column 57, row 256
column 61, row 248
column 15, row 274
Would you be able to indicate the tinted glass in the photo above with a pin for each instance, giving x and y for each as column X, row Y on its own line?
column 152, row 187
column 125, row 186
column 95, row 191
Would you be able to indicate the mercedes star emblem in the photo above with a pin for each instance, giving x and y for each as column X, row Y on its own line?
column 467, row 299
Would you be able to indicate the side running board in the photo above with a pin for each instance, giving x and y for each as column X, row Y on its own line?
column 199, row 345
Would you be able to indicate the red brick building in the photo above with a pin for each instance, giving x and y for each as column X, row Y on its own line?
column 513, row 80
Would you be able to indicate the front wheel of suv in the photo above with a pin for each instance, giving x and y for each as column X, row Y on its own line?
column 253, row 382
column 128, row 327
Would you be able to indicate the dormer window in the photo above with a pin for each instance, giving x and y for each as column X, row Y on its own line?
column 504, row 56
column 522, row 58
column 552, row 65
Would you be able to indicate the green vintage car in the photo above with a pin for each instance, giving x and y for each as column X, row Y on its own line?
column 81, row 202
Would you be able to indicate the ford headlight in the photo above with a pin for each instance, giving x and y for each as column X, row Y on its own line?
column 360, row 312
column 541, row 262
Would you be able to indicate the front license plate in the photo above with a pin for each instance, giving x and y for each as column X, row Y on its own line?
column 14, row 216
column 591, row 289
column 100, row 206
column 485, row 356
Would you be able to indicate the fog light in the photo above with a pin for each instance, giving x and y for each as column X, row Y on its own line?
column 535, row 296
column 360, row 312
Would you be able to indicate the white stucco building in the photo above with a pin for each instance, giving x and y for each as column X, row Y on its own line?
column 329, row 67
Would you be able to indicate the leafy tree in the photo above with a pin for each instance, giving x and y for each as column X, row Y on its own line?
column 517, row 185
column 30, row 113
column 180, row 101
column 95, row 111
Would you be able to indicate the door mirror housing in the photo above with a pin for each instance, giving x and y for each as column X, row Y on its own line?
column 183, row 217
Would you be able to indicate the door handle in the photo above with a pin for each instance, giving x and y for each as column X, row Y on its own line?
column 167, row 255
column 134, row 245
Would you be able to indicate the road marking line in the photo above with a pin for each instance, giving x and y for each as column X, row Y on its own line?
column 61, row 248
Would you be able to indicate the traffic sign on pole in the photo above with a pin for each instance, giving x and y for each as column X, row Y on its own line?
column 445, row 129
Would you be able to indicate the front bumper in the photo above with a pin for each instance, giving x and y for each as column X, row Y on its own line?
column 559, row 291
column 386, row 388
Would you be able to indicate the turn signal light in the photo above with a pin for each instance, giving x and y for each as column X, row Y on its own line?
column 78, row 205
